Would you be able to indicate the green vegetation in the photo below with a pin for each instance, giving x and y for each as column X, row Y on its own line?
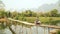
column 58, row 32
column 44, row 20
column 51, row 18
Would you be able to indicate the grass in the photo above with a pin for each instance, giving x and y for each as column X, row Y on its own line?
column 42, row 19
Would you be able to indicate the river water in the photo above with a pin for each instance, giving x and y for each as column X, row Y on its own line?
column 19, row 30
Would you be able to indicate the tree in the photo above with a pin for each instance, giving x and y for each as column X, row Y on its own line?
column 28, row 13
column 34, row 14
column 54, row 12
column 8, row 14
column 14, row 14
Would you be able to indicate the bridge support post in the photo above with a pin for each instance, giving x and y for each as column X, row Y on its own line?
column 44, row 31
column 36, row 29
column 22, row 28
column 30, row 30
column 48, row 30
column 26, row 29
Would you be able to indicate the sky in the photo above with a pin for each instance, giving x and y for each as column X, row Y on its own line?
column 26, row 4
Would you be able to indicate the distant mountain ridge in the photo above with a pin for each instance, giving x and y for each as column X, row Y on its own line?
column 46, row 7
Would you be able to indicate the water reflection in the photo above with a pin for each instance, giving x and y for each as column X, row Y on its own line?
column 19, row 30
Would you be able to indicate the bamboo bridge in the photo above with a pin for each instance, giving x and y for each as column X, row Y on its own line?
column 31, row 24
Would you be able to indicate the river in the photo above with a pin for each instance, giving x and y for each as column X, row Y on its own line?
column 18, row 29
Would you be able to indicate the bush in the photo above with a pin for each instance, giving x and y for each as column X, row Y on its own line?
column 58, row 32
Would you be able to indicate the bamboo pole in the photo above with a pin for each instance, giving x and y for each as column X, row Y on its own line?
column 22, row 28
column 44, row 30
column 48, row 30
column 13, row 32
column 36, row 29
column 30, row 30
column 26, row 29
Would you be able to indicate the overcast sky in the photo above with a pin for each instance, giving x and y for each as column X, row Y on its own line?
column 26, row 4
